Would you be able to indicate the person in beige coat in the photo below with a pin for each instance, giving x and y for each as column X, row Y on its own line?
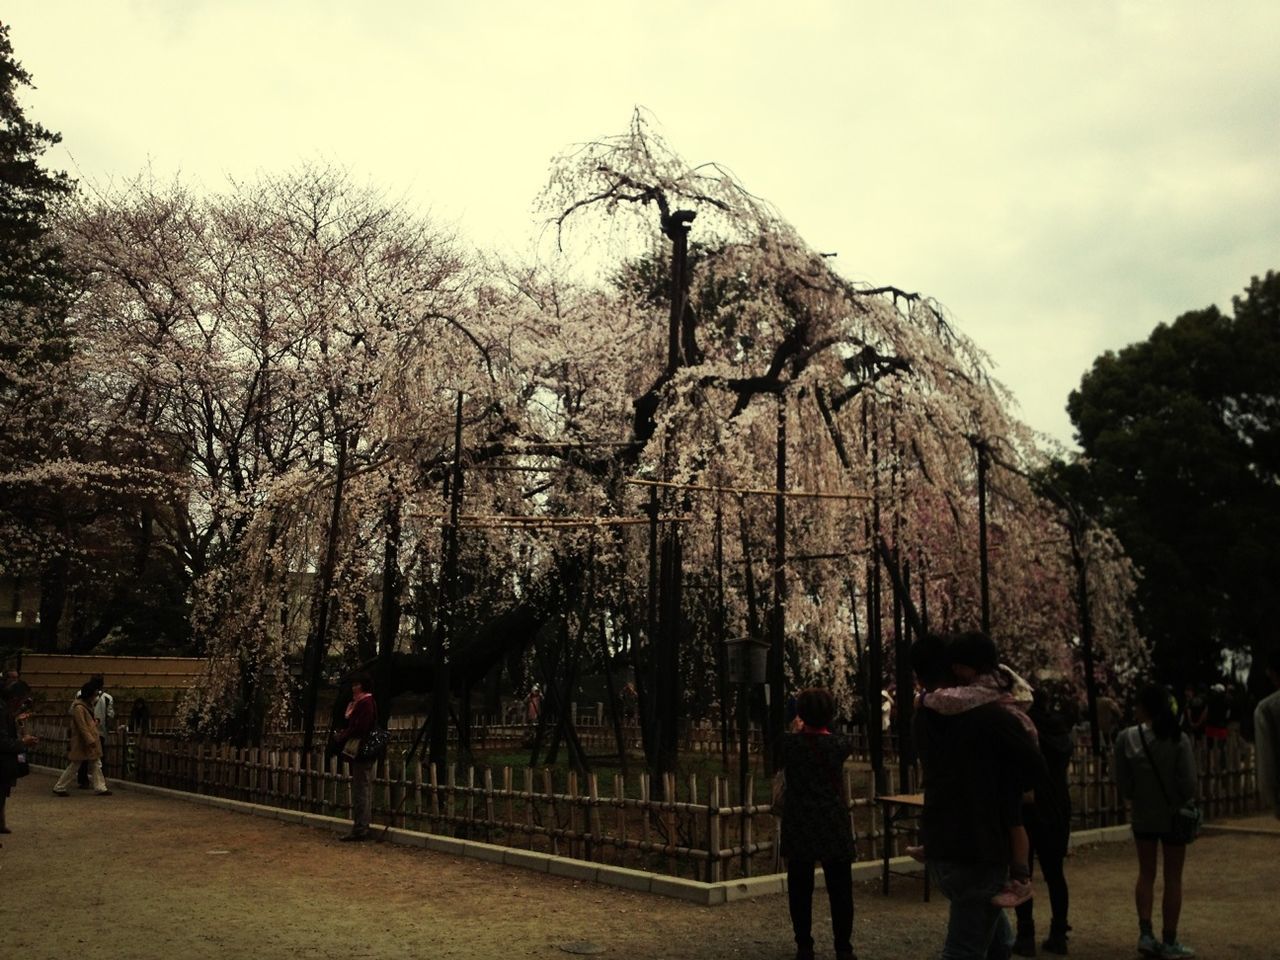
column 85, row 742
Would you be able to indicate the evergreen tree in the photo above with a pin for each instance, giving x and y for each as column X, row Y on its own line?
column 33, row 281
column 1181, row 434
column 34, row 341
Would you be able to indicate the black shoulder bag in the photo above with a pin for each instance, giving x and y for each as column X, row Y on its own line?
column 1188, row 817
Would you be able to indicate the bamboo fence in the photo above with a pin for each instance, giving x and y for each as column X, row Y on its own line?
column 680, row 826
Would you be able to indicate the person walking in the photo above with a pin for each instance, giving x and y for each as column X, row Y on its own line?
column 1266, row 737
column 14, row 742
column 85, row 743
column 1048, row 820
column 361, row 717
column 104, row 712
column 1156, row 773
column 815, row 821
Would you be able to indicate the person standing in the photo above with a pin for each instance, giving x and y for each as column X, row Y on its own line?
column 1156, row 773
column 361, row 717
column 1266, row 737
column 815, row 821
column 104, row 713
column 533, row 706
column 14, row 742
column 1048, row 822
column 85, row 743
column 140, row 718
column 970, row 761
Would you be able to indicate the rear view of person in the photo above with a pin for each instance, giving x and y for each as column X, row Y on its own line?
column 1048, row 819
column 971, row 761
column 815, row 822
column 984, row 680
column 1156, row 773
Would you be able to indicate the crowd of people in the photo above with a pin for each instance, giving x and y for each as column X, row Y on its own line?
column 92, row 717
column 994, row 754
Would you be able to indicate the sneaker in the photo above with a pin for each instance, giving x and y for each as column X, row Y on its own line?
column 1013, row 893
column 102, row 793
column 1148, row 945
column 61, row 793
column 1176, row 949
column 916, row 853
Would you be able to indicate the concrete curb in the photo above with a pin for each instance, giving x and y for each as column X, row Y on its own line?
column 1082, row 838
column 1225, row 829
column 691, row 891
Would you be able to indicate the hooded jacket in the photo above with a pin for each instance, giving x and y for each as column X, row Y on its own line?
column 85, row 744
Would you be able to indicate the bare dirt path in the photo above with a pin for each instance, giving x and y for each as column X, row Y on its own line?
column 136, row 877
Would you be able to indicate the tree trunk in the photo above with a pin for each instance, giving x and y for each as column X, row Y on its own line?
column 322, row 604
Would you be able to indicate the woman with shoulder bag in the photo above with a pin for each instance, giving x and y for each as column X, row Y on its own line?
column 815, row 821
column 1156, row 773
column 362, row 720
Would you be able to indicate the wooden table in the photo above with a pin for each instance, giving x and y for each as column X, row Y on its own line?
column 896, row 808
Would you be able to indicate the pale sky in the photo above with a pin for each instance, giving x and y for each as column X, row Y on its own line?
column 1061, row 176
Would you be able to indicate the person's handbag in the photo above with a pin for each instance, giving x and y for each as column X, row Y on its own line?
column 1187, row 822
column 1188, row 818
column 351, row 749
column 374, row 746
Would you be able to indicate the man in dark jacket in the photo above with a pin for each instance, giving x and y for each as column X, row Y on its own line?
column 972, row 761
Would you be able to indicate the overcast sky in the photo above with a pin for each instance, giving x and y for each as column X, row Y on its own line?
column 1061, row 176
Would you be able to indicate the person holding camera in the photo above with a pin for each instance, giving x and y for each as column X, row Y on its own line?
column 14, row 742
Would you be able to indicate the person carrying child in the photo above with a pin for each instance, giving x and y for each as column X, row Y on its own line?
column 983, row 679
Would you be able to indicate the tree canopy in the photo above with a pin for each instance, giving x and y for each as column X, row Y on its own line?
column 1181, row 440
column 329, row 426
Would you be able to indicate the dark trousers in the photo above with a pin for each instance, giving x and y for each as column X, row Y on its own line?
column 839, row 877
column 1049, row 846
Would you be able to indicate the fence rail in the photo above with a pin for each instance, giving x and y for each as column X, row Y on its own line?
column 681, row 826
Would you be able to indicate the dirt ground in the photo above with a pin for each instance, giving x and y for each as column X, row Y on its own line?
column 135, row 877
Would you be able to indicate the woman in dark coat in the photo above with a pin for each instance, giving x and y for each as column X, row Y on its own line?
column 815, row 822
column 1048, row 822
